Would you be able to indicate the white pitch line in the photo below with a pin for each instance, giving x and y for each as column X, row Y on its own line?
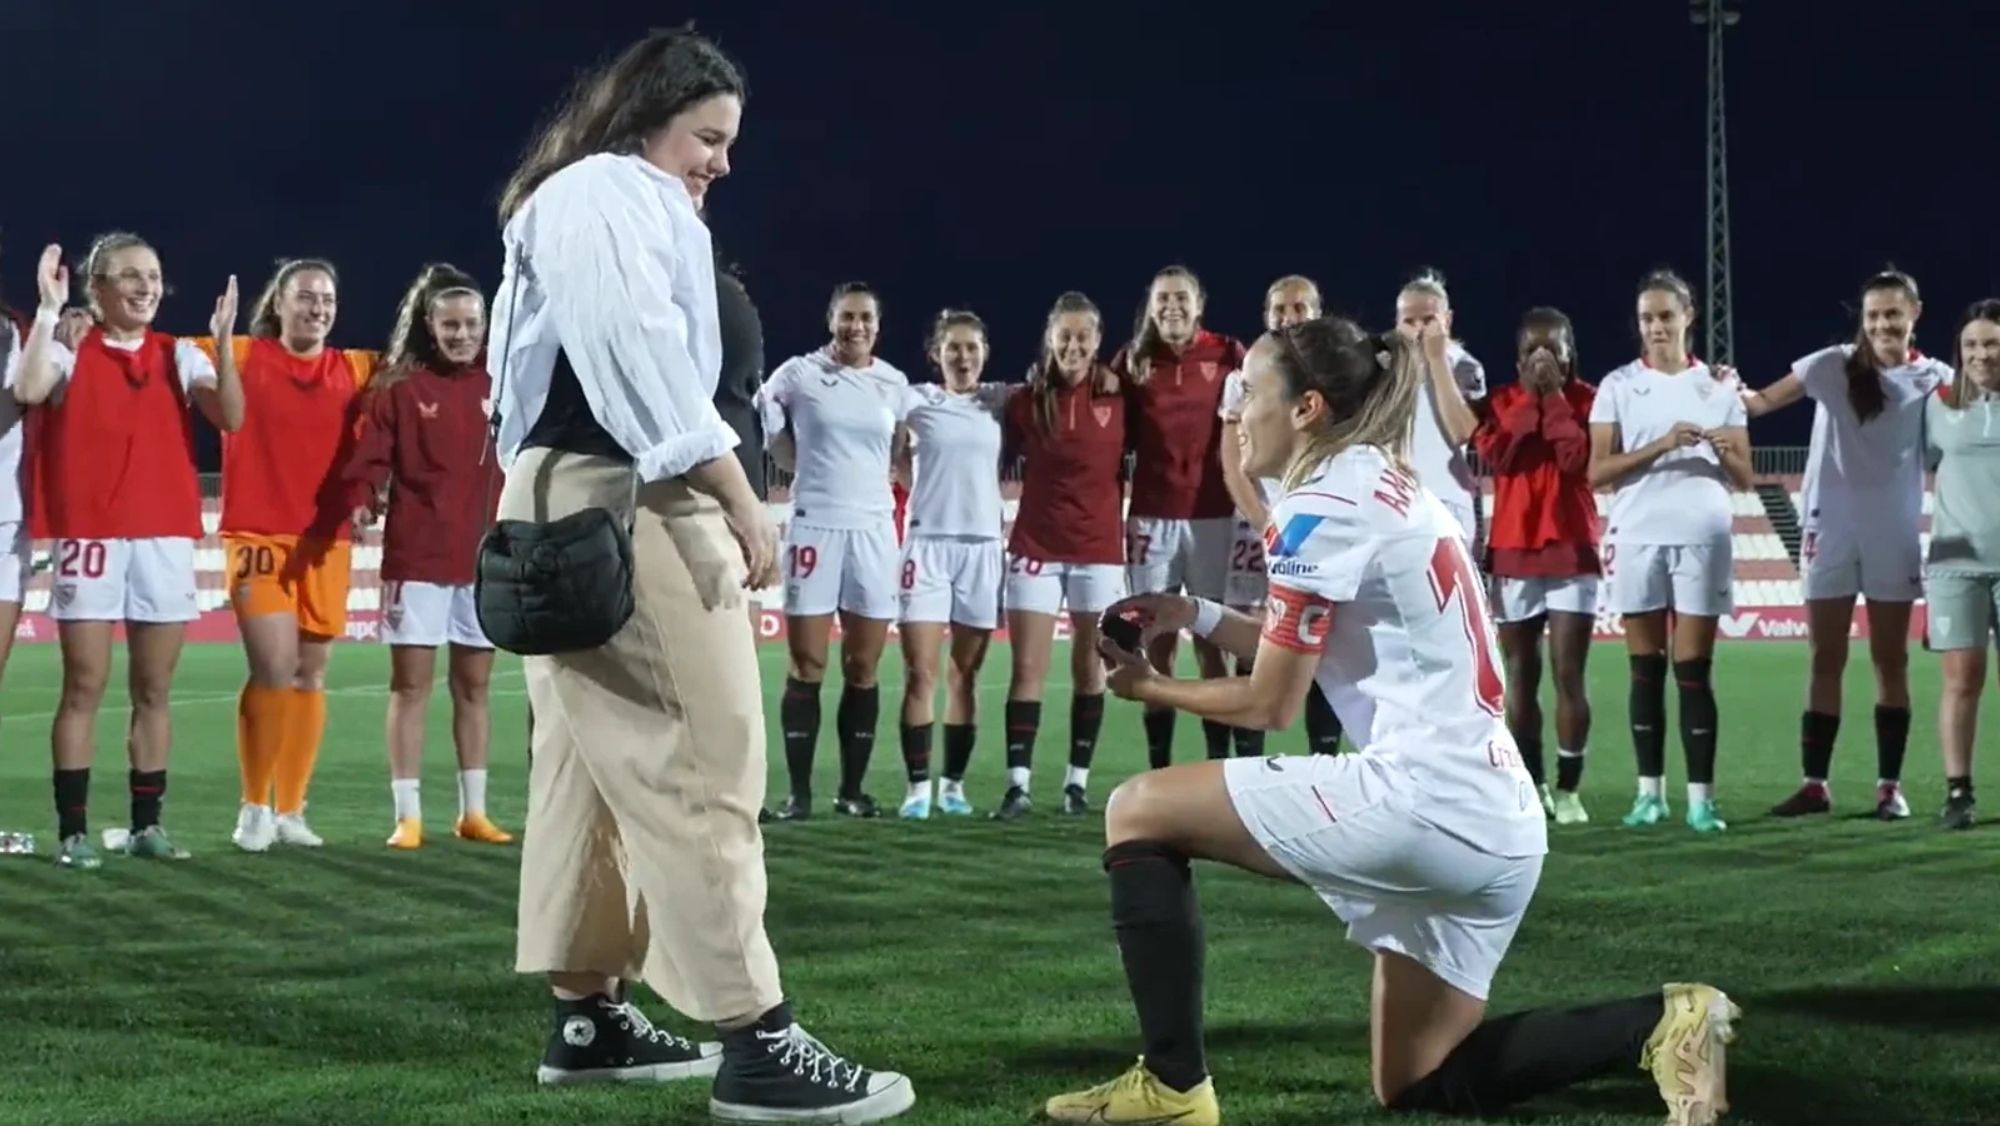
column 231, row 697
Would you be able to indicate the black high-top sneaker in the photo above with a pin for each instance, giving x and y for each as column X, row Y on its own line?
column 598, row 1040
column 1076, row 803
column 775, row 1071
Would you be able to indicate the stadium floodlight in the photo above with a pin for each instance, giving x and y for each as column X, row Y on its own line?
column 1718, row 16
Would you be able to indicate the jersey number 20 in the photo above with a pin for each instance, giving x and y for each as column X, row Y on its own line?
column 1451, row 574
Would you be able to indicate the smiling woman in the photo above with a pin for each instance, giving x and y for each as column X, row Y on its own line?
column 643, row 857
column 112, row 480
column 285, row 535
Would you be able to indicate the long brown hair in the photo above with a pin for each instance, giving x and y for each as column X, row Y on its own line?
column 1045, row 379
column 264, row 313
column 1146, row 334
column 948, row 319
column 617, row 106
column 1960, row 392
column 410, row 341
column 1369, row 383
column 1865, row 392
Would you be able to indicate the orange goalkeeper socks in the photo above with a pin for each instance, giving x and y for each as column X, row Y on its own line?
column 260, row 734
column 304, row 731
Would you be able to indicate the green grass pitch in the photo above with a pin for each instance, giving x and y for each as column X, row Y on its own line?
column 355, row 985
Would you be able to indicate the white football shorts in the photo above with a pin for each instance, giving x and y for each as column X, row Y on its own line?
column 1691, row 579
column 1346, row 827
column 1170, row 556
column 124, row 580
column 953, row 579
column 848, row 569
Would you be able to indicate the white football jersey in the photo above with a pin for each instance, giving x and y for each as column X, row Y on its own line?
column 1440, row 464
column 1871, row 471
column 1369, row 571
column 843, row 423
column 955, row 447
column 12, row 510
column 1232, row 411
column 1682, row 498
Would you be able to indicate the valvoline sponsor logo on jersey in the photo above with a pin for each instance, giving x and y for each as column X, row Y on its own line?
column 1282, row 545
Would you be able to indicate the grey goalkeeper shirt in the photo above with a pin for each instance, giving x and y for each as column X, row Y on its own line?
column 1965, row 511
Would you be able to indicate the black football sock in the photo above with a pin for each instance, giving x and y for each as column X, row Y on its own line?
column 1531, row 754
column 958, row 740
column 1249, row 742
column 1158, row 924
column 72, row 803
column 149, row 791
column 1892, row 741
column 1322, row 725
column 1649, row 714
column 1698, row 719
column 1086, row 719
column 917, row 752
column 1569, row 771
column 1510, row 1059
column 1024, row 722
column 860, row 709
column 1217, row 737
column 1159, row 737
column 798, row 716
column 1817, row 732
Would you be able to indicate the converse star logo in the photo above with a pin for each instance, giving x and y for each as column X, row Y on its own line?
column 578, row 1032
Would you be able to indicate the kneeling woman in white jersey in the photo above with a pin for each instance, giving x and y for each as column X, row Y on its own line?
column 1670, row 439
column 1428, row 842
column 952, row 560
column 1863, row 509
column 831, row 418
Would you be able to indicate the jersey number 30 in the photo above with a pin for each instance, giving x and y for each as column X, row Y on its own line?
column 1451, row 574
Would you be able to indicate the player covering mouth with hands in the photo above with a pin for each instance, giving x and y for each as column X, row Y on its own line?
column 1428, row 841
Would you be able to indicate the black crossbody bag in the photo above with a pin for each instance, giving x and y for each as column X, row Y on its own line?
column 556, row 586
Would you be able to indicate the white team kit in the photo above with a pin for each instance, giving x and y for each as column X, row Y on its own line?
column 1440, row 463
column 135, row 580
column 1245, row 586
column 1525, row 599
column 16, row 560
column 1667, row 544
column 1863, row 495
column 952, row 550
column 431, row 614
column 1429, row 841
column 1034, row 586
column 840, row 543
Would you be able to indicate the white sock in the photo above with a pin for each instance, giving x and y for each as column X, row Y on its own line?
column 1700, row 791
column 1889, row 782
column 918, row 790
column 1018, row 776
column 409, row 807
column 1078, row 776
column 1652, row 787
column 1569, row 754
column 952, row 786
column 471, row 792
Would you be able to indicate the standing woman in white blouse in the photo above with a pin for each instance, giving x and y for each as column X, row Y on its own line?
column 831, row 418
column 642, row 857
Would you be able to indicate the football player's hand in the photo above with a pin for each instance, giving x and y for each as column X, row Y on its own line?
column 1722, row 442
column 222, row 323
column 1683, row 435
column 51, row 280
column 1157, row 614
column 1128, row 674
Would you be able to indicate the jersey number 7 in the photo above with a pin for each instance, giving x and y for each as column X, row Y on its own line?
column 1451, row 576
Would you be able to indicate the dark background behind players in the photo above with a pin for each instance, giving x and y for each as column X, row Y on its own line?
column 910, row 191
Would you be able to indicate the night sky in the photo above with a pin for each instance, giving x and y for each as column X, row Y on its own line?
column 1539, row 153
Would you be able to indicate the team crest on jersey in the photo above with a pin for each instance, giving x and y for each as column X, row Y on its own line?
column 1704, row 390
column 1103, row 415
column 1209, row 370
